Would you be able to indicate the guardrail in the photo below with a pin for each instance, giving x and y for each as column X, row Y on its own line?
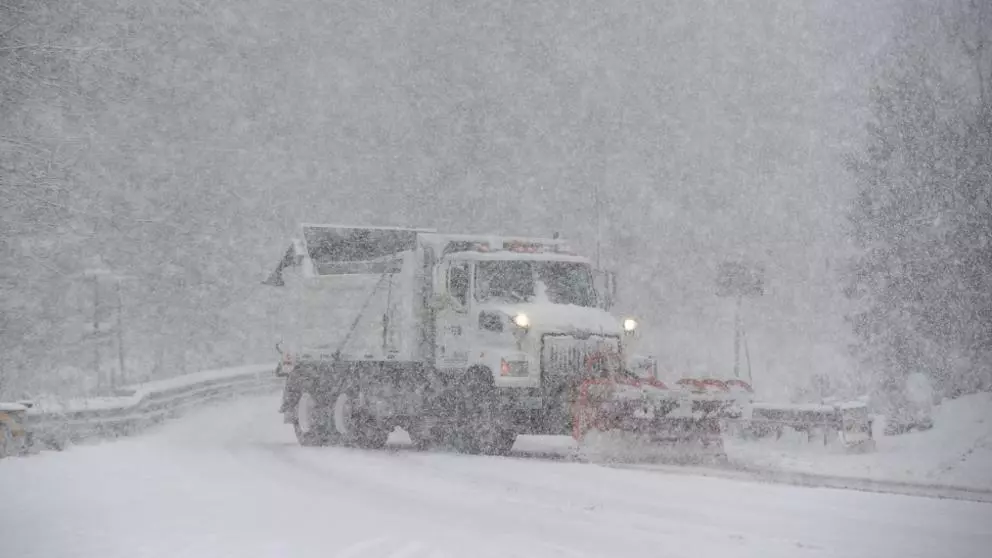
column 851, row 421
column 54, row 424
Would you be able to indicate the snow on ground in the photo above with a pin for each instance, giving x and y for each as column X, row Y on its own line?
column 956, row 451
column 230, row 481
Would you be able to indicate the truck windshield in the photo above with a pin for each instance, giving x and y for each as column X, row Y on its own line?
column 568, row 283
column 510, row 280
column 515, row 281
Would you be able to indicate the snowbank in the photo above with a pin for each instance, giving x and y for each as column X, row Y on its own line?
column 12, row 407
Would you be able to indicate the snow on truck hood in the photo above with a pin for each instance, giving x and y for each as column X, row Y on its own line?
column 562, row 318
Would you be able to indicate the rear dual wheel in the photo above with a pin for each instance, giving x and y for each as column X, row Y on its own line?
column 353, row 422
column 427, row 433
column 311, row 423
column 6, row 439
column 326, row 419
column 487, row 439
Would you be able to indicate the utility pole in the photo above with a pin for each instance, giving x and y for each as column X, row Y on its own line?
column 97, row 336
column 740, row 279
column 599, row 228
column 600, row 178
column 96, row 332
column 740, row 336
column 737, row 339
column 120, row 335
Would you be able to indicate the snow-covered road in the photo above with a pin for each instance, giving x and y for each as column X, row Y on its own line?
column 230, row 481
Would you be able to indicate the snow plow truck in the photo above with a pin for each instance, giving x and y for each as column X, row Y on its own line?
column 465, row 342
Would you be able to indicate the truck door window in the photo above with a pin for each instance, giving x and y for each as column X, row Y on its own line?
column 458, row 282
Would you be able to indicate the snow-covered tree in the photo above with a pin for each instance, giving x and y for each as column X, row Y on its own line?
column 923, row 212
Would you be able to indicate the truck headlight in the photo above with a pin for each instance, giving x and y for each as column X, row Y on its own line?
column 521, row 320
column 629, row 325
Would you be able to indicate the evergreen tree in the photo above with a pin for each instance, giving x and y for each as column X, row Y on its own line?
column 922, row 216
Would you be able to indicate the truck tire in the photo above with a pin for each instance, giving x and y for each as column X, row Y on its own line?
column 354, row 425
column 312, row 421
column 481, row 426
column 424, row 436
column 6, row 439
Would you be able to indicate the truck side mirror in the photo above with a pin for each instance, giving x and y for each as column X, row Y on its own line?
column 298, row 252
column 490, row 321
column 439, row 301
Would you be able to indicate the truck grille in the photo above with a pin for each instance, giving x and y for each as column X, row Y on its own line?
column 565, row 355
column 563, row 367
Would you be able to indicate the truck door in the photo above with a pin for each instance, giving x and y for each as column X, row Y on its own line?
column 452, row 317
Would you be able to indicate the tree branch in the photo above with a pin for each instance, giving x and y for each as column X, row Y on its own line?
column 10, row 8
column 42, row 46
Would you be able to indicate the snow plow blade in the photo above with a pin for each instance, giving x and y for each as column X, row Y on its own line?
column 628, row 420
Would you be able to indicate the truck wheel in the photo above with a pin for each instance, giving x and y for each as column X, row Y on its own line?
column 423, row 436
column 356, row 426
column 481, row 426
column 311, row 419
column 491, row 440
column 6, row 439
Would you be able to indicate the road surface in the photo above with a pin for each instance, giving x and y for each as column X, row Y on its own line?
column 230, row 481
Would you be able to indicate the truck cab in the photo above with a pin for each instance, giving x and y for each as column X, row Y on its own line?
column 527, row 313
column 514, row 308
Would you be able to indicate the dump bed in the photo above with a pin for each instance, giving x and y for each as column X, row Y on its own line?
column 350, row 289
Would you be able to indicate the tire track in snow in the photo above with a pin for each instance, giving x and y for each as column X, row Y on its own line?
column 361, row 548
column 477, row 513
column 391, row 547
column 537, row 509
column 505, row 500
column 677, row 518
column 411, row 549
column 629, row 492
column 472, row 508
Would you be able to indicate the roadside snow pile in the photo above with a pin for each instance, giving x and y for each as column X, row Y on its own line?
column 956, row 451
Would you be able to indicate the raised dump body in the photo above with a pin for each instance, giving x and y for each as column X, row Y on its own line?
column 350, row 292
